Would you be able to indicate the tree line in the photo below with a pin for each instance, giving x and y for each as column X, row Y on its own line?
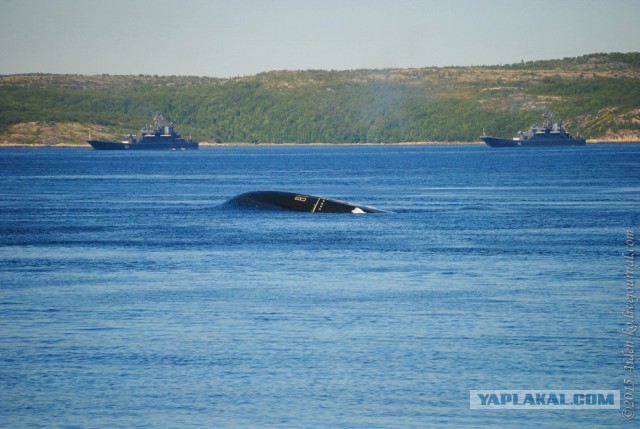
column 331, row 106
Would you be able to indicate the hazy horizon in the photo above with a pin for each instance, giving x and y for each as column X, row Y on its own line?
column 302, row 70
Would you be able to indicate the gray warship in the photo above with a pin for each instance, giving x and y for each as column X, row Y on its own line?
column 155, row 137
column 548, row 134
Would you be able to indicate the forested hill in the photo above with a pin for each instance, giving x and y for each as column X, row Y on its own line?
column 597, row 96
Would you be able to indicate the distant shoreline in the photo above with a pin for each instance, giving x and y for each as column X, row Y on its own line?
column 207, row 144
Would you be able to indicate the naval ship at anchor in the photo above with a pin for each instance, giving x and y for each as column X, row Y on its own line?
column 157, row 137
column 549, row 134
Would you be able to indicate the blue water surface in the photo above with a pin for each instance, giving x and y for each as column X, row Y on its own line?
column 131, row 296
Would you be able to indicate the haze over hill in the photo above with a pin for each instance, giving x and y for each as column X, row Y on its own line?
column 597, row 96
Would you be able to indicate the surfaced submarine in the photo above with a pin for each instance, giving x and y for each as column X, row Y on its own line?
column 277, row 200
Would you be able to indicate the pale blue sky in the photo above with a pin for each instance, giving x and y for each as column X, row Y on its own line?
column 224, row 38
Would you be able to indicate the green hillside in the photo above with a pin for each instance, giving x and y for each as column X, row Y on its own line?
column 597, row 96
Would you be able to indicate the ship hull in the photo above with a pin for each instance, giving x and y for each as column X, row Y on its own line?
column 105, row 145
column 547, row 142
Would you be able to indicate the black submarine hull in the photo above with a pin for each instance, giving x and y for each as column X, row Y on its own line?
column 277, row 200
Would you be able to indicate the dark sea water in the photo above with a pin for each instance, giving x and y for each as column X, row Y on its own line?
column 132, row 297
